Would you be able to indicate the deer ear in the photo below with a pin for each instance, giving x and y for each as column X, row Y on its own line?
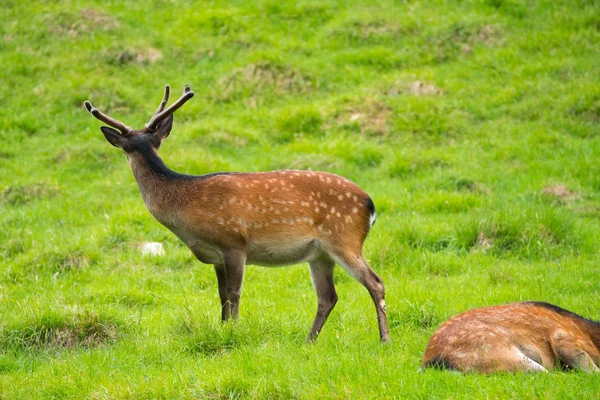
column 113, row 136
column 164, row 129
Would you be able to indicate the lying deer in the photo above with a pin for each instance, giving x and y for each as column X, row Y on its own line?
column 267, row 218
column 530, row 336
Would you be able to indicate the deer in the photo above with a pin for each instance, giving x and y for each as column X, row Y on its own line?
column 527, row 337
column 275, row 218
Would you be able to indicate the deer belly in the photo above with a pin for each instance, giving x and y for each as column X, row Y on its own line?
column 283, row 253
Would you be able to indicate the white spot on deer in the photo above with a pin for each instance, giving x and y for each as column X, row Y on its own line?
column 209, row 213
column 354, row 210
column 348, row 194
column 304, row 204
column 219, row 221
column 328, row 180
column 382, row 305
column 339, row 182
column 266, row 185
column 238, row 184
column 340, row 197
column 328, row 216
column 354, row 198
column 277, row 212
column 320, row 228
column 333, row 210
column 204, row 198
column 321, row 178
column 338, row 215
column 348, row 219
column 323, row 204
column 318, row 195
column 316, row 209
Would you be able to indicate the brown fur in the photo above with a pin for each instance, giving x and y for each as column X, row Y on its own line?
column 528, row 336
column 266, row 218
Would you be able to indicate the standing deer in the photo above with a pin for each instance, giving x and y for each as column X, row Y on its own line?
column 530, row 336
column 267, row 218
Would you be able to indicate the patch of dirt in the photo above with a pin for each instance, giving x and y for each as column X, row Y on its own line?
column 371, row 116
column 461, row 39
column 18, row 195
column 256, row 78
column 373, row 30
column 561, row 193
column 73, row 262
column 483, row 244
column 134, row 56
column 415, row 88
column 84, row 330
column 85, row 21
column 98, row 19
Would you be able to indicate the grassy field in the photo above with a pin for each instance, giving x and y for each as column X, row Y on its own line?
column 473, row 124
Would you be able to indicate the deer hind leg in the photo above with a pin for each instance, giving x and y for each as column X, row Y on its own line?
column 357, row 266
column 230, row 276
column 321, row 272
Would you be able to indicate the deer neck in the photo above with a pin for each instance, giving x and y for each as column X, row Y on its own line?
column 159, row 185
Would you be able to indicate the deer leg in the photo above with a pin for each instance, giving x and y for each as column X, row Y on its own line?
column 222, row 281
column 321, row 272
column 358, row 267
column 576, row 358
column 234, row 262
column 572, row 353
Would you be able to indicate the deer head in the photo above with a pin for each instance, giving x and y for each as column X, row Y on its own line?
column 153, row 133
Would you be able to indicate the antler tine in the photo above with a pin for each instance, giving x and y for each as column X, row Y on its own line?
column 124, row 129
column 163, row 103
column 157, row 118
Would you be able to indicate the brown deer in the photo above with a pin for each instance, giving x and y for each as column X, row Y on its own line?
column 266, row 218
column 529, row 336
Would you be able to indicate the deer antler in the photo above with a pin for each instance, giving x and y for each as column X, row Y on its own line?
column 124, row 129
column 163, row 103
column 161, row 114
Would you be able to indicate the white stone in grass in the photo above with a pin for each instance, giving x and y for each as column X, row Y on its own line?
column 152, row 249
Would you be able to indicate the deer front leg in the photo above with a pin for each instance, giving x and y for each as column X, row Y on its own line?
column 222, row 281
column 572, row 353
column 234, row 262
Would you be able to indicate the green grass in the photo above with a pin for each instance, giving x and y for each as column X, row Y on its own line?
column 456, row 116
